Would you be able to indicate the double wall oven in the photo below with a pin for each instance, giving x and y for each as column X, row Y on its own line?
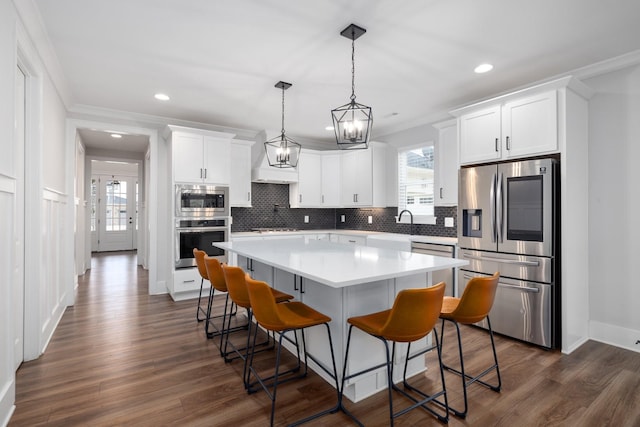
column 201, row 220
column 507, row 222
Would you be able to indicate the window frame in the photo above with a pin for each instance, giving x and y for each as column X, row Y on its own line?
column 417, row 218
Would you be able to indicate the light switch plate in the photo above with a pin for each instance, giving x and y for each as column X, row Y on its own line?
column 448, row 222
column 306, row 219
column 370, row 219
column 341, row 218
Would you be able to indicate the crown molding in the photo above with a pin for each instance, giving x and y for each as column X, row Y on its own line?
column 34, row 26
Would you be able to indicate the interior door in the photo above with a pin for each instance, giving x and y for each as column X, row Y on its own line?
column 18, row 272
column 116, row 208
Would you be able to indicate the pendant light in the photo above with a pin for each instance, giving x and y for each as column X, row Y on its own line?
column 282, row 152
column 352, row 122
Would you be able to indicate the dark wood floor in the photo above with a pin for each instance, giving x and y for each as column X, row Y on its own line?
column 122, row 357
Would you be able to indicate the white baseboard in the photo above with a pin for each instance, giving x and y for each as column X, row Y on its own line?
column 7, row 401
column 615, row 335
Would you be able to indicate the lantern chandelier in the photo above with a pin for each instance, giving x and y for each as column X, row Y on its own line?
column 352, row 122
column 282, row 152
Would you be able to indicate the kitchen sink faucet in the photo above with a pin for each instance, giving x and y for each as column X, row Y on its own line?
column 411, row 215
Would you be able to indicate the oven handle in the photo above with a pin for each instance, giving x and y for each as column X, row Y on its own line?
column 199, row 229
column 503, row 261
column 504, row 285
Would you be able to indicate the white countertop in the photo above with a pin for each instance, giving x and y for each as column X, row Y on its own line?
column 451, row 241
column 379, row 235
column 335, row 264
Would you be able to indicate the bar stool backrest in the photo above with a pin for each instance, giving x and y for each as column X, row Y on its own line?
column 264, row 307
column 199, row 256
column 414, row 313
column 477, row 299
column 236, row 285
column 215, row 273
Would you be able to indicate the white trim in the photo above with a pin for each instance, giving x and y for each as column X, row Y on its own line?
column 155, row 287
column 7, row 401
column 28, row 60
column 34, row 26
column 7, row 184
column 614, row 335
column 54, row 195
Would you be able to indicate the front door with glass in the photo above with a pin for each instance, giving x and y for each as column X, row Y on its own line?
column 114, row 213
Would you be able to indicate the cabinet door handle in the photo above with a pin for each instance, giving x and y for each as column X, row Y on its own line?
column 300, row 198
column 497, row 145
column 248, row 196
column 205, row 173
column 323, row 198
column 295, row 282
column 200, row 172
column 188, row 281
column 441, row 192
column 508, row 144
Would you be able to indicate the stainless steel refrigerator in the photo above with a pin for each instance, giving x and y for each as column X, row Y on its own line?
column 507, row 215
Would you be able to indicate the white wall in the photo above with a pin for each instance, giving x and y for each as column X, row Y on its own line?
column 47, row 223
column 614, row 207
column 7, row 198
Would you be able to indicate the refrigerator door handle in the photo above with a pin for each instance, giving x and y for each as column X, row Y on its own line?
column 520, row 288
column 499, row 209
column 492, row 203
column 502, row 260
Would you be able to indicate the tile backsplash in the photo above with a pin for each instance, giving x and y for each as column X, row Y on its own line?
column 271, row 209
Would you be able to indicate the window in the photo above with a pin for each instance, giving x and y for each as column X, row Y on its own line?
column 415, row 180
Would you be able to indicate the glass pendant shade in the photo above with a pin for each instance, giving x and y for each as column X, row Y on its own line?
column 282, row 151
column 352, row 122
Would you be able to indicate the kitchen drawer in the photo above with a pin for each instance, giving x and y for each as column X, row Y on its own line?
column 186, row 279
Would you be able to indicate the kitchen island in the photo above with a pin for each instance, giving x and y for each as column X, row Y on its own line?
column 342, row 281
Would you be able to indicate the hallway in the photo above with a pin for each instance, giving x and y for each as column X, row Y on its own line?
column 122, row 357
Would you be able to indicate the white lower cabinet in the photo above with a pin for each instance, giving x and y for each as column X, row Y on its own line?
column 186, row 279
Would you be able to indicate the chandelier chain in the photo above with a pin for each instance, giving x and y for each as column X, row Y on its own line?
column 353, row 66
column 282, row 111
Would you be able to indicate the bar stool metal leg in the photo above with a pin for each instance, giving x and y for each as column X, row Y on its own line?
column 467, row 379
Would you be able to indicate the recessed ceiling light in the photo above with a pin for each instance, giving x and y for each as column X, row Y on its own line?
column 329, row 128
column 162, row 97
column 483, row 68
column 116, row 135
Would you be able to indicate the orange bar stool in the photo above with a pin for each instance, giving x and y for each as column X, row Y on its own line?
column 413, row 316
column 283, row 318
column 236, row 280
column 202, row 269
column 218, row 283
column 474, row 306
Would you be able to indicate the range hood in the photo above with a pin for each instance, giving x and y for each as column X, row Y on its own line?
column 260, row 169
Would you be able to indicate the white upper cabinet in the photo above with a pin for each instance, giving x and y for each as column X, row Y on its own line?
column 240, row 184
column 446, row 164
column 511, row 127
column 200, row 156
column 307, row 192
column 331, row 179
column 480, row 135
column 357, row 176
column 364, row 177
column 530, row 125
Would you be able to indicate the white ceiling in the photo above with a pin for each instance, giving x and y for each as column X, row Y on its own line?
column 219, row 60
